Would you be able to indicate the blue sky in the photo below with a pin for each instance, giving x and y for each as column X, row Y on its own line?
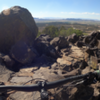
column 89, row 9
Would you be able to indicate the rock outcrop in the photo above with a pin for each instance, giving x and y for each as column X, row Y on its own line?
column 72, row 38
column 42, row 45
column 59, row 42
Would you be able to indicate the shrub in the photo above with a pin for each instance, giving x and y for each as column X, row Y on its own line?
column 51, row 30
column 54, row 31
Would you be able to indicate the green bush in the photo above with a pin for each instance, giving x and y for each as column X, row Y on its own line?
column 62, row 28
column 54, row 31
column 70, row 31
column 63, row 33
column 39, row 33
column 51, row 30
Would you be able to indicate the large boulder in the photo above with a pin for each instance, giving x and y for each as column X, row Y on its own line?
column 95, row 34
column 16, row 23
column 91, row 40
column 43, row 46
column 59, row 42
column 73, row 38
column 23, row 53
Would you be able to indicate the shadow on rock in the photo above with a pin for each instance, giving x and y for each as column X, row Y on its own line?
column 11, row 64
column 83, row 93
column 76, row 93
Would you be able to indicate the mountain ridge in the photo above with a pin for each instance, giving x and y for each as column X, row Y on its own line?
column 74, row 19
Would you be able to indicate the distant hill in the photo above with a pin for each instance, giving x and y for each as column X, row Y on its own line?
column 70, row 19
column 67, row 21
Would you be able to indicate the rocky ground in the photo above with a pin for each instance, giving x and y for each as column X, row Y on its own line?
column 70, row 63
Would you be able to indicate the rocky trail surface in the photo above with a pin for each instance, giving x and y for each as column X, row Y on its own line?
column 71, row 63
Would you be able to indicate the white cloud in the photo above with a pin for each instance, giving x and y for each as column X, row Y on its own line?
column 83, row 13
column 72, row 13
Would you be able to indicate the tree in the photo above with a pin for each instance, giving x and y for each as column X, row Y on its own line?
column 54, row 31
column 71, row 31
column 51, row 30
column 62, row 28
column 63, row 33
column 39, row 33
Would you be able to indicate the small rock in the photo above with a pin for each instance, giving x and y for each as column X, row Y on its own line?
column 8, row 61
column 25, row 74
column 28, row 69
column 66, row 68
column 5, row 74
column 20, row 79
column 54, row 66
column 47, row 74
column 22, row 96
column 45, row 66
column 57, row 48
column 62, row 61
column 86, row 70
column 44, row 37
column 72, row 73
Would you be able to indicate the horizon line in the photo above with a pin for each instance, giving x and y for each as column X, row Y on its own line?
column 65, row 18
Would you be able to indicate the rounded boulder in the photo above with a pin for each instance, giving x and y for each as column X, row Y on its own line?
column 16, row 23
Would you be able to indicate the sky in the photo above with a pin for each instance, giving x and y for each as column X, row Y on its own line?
column 86, row 9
